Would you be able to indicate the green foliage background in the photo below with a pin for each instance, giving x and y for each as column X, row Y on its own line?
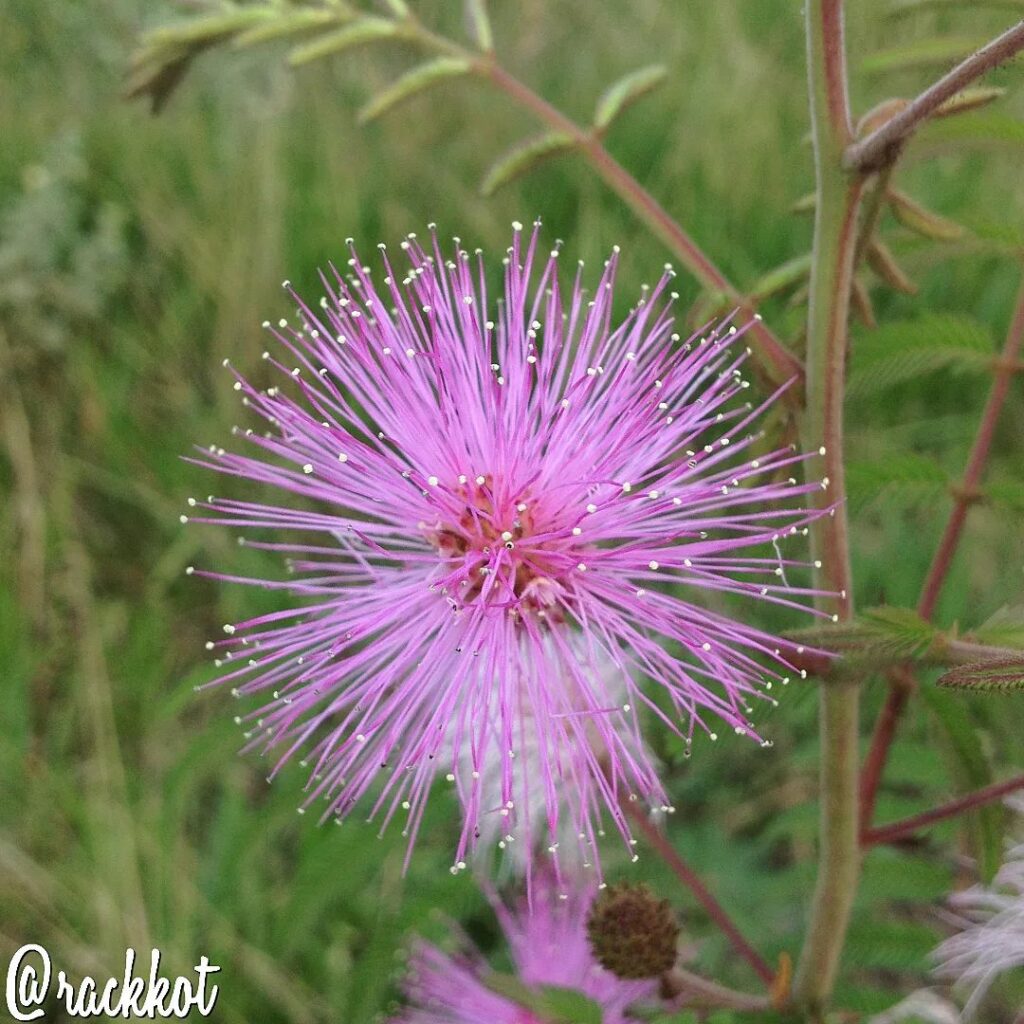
column 137, row 253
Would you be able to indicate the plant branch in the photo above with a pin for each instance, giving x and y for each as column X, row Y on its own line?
column 781, row 363
column 693, row 990
column 968, row 802
column 832, row 266
column 689, row 878
column 881, row 147
column 902, row 684
column 976, row 462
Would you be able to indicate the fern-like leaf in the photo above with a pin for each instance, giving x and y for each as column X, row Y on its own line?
column 971, row 770
column 908, row 349
column 996, row 675
column 908, row 479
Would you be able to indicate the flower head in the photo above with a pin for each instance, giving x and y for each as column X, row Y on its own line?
column 509, row 525
column 633, row 934
column 548, row 944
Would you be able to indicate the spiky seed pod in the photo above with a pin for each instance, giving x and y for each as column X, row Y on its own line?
column 631, row 933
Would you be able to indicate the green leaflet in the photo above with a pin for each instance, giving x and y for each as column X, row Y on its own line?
column 625, row 92
column 905, row 350
column 211, row 28
column 910, row 478
column 879, row 636
column 481, row 24
column 359, row 33
column 922, row 221
column 903, row 8
column 288, row 23
column 1003, row 629
column 524, row 158
column 418, row 80
column 790, row 273
column 922, row 53
column 983, row 128
column 971, row 770
column 970, row 99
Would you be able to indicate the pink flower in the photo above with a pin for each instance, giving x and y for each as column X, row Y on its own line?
column 990, row 941
column 548, row 946
column 508, row 525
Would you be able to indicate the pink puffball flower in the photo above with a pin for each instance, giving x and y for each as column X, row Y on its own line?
column 990, row 939
column 548, row 944
column 510, row 518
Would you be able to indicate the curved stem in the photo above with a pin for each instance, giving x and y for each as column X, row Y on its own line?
column 835, row 239
column 690, row 879
column 882, row 146
column 693, row 990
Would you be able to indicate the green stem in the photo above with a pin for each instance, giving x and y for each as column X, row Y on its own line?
column 835, row 240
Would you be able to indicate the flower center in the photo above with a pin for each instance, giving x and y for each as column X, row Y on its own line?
column 502, row 551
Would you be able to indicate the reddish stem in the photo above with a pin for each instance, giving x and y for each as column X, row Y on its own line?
column 882, row 146
column 782, row 364
column 1004, row 370
column 900, row 687
column 658, row 842
column 908, row 826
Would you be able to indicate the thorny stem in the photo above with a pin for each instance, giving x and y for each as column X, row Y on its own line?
column 882, row 147
column 908, row 826
column 901, row 686
column 660, row 844
column 832, row 265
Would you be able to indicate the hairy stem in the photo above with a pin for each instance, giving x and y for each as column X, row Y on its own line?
column 694, row 991
column 835, row 238
column 902, row 685
column 882, row 146
column 908, row 826
column 658, row 842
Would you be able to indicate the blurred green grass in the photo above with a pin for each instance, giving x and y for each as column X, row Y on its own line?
column 137, row 253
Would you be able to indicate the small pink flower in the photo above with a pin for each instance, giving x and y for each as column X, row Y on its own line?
column 513, row 515
column 990, row 941
column 548, row 945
